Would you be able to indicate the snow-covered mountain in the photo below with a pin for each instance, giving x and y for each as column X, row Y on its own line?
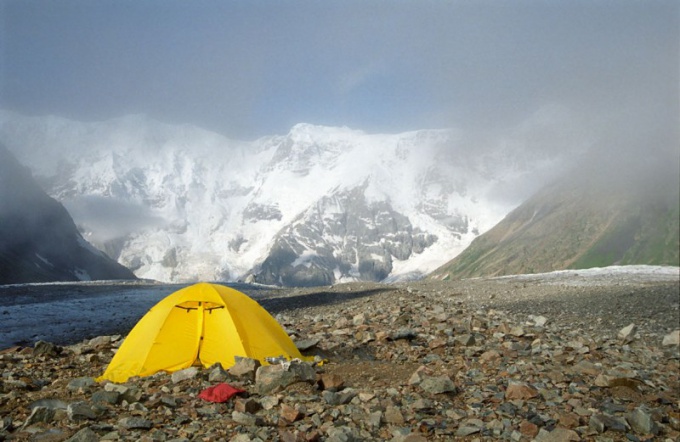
column 315, row 206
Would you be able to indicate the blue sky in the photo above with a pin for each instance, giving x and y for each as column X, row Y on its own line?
column 253, row 68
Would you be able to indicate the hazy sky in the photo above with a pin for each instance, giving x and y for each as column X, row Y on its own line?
column 253, row 68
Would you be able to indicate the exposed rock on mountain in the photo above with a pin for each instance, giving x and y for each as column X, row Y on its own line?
column 343, row 236
column 38, row 239
column 589, row 219
column 316, row 205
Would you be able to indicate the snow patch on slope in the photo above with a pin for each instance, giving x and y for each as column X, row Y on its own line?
column 179, row 203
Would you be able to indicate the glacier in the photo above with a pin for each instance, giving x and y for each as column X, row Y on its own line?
column 318, row 205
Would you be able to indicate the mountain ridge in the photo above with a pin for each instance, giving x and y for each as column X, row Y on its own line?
column 579, row 222
column 177, row 203
column 39, row 242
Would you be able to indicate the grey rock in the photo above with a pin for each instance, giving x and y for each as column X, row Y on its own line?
column 539, row 321
column 127, row 393
column 42, row 348
column 374, row 419
column 557, row 435
column 40, row 414
column 54, row 404
column 169, row 401
column 247, row 419
column 135, row 423
column 423, row 405
column 393, row 415
column 183, row 375
column 671, row 339
column 465, row 340
column 403, row 333
column 244, row 367
column 437, row 384
column 642, row 422
column 626, row 334
column 602, row 422
column 81, row 383
column 84, row 435
column 79, row 411
column 99, row 341
column 106, row 397
column 466, row 430
column 306, row 344
column 217, row 374
column 271, row 378
column 341, row 434
column 339, row 398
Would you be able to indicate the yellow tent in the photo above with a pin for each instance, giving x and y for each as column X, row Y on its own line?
column 203, row 323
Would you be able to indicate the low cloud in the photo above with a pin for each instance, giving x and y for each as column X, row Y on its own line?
column 105, row 219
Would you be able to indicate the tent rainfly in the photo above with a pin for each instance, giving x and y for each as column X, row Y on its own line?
column 200, row 324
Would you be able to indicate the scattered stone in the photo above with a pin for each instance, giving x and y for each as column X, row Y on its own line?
column 272, row 378
column 183, row 375
column 528, row 429
column 340, row 398
column 99, row 341
column 83, row 383
column 438, row 384
column 79, row 411
column 627, row 333
column 557, row 435
column 247, row 419
column 340, row 434
column 218, row 374
column 467, row 430
column 331, row 382
column 642, row 422
column 247, row 405
column 42, row 348
column 135, row 423
column 84, row 435
column 671, row 339
column 290, row 413
column 520, row 390
column 306, row 344
column 602, row 422
column 404, row 333
column 394, row 416
column 461, row 368
column 40, row 414
column 539, row 321
column 127, row 393
column 53, row 404
column 244, row 368
column 465, row 340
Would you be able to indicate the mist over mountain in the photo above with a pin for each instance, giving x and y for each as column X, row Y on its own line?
column 618, row 209
column 39, row 241
column 315, row 206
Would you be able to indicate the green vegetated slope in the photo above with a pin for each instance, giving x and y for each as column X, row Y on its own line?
column 574, row 225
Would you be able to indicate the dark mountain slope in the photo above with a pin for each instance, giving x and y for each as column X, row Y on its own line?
column 39, row 241
column 584, row 220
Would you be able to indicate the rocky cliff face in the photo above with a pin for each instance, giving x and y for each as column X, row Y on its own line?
column 342, row 236
column 39, row 241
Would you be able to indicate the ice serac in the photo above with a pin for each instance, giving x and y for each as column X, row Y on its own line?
column 317, row 205
column 39, row 241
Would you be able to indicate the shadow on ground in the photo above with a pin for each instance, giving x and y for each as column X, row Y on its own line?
column 316, row 299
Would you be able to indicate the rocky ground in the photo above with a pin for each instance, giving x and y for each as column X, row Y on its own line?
column 505, row 359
